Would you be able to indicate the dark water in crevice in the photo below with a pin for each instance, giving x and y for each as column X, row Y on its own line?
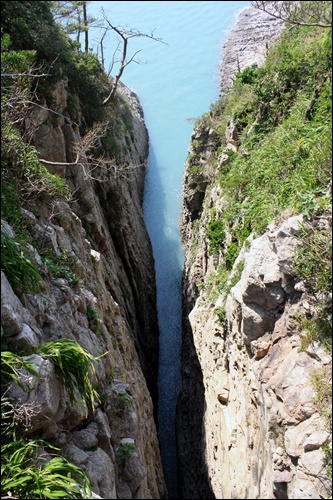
column 168, row 257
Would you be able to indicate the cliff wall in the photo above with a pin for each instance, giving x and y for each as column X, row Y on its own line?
column 247, row 422
column 104, row 300
column 247, row 43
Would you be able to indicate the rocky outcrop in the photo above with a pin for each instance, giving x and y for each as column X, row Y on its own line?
column 247, row 423
column 105, row 302
column 262, row 434
column 247, row 43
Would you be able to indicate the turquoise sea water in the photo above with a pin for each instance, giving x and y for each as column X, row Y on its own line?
column 176, row 81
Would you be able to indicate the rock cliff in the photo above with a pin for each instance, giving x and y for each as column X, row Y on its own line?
column 247, row 43
column 247, row 423
column 104, row 299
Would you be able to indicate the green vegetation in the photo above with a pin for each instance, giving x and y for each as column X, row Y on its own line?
column 283, row 130
column 30, row 26
column 17, row 267
column 74, row 365
column 125, row 451
column 35, row 55
column 221, row 314
column 25, row 472
column 282, row 115
column 22, row 478
column 221, row 282
column 283, row 160
column 121, row 404
column 93, row 318
column 21, row 169
column 216, row 235
column 61, row 266
column 11, row 367
column 313, row 257
column 321, row 382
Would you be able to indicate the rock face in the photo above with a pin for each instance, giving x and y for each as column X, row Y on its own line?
column 247, row 44
column 256, row 382
column 247, row 426
column 102, row 229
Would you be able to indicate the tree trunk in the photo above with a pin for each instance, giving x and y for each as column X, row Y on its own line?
column 120, row 72
column 85, row 22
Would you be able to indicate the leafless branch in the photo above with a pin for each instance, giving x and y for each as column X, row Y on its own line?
column 299, row 13
column 15, row 75
column 125, row 35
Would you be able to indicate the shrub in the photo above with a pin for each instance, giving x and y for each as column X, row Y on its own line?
column 221, row 314
column 22, row 168
column 216, row 236
column 231, row 254
column 314, row 258
column 121, row 403
column 313, row 265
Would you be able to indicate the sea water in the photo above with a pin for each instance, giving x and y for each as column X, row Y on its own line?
column 176, row 80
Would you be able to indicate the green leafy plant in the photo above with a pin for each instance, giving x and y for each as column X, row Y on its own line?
column 121, row 403
column 22, row 167
column 11, row 367
column 314, row 258
column 283, row 161
column 327, row 462
column 22, row 478
column 17, row 267
column 321, row 381
column 216, row 235
column 61, row 266
column 124, row 400
column 24, row 471
column 125, row 451
column 93, row 318
column 221, row 314
column 317, row 328
column 313, row 265
column 231, row 254
column 74, row 365
column 196, row 170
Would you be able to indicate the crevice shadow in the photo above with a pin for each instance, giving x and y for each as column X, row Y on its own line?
column 193, row 477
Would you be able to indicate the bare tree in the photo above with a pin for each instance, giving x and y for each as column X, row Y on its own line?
column 299, row 13
column 124, row 35
column 85, row 157
column 84, row 152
